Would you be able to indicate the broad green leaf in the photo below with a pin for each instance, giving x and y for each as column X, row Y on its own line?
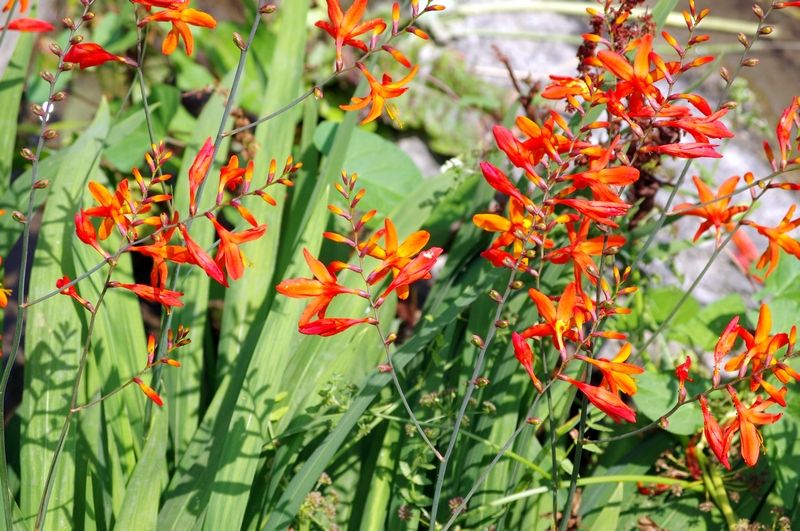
column 661, row 10
column 657, row 393
column 55, row 332
column 12, row 86
column 609, row 516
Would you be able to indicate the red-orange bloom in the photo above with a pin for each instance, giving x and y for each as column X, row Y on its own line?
column 229, row 257
column 323, row 287
column 86, row 232
column 718, row 441
column 716, row 211
column 149, row 391
column 606, row 401
column 232, row 176
column 778, row 239
column 198, row 172
column 682, row 372
column 616, row 373
column 31, row 25
column 581, row 250
column 23, row 6
column 783, row 131
column 516, row 229
column 162, row 296
column 599, row 211
column 748, row 419
column 724, row 346
column 417, row 269
column 558, row 321
column 379, row 92
column 344, row 27
column 330, row 326
column 89, row 54
column 202, row 259
column 500, row 182
column 4, row 293
column 686, row 150
column 72, row 292
column 181, row 16
column 395, row 257
column 524, row 354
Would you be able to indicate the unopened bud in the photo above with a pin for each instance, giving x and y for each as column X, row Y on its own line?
column 41, row 184
column 66, row 66
column 766, row 30
column 517, row 284
column 534, row 421
column 48, row 76
column 495, row 296
column 88, row 16
column 530, row 253
column 481, row 382
column 318, row 94
column 725, row 74
column 742, row 38
column 55, row 49
column 757, row 11
column 268, row 9
column 477, row 341
column 76, row 39
column 391, row 338
column 730, row 105
column 37, row 109
column 238, row 41
column 753, row 61
column 68, row 23
column 19, row 217
column 384, row 367
column 501, row 323
column 59, row 96
column 27, row 154
column 50, row 134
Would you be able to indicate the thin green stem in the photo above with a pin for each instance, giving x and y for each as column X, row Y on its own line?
column 10, row 15
column 23, row 272
column 48, row 488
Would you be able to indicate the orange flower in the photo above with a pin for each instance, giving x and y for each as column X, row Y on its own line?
column 23, row 6
column 417, row 269
column 229, row 257
column 4, row 293
column 783, row 131
column 327, row 327
column 202, row 259
column 323, row 287
column 500, row 182
column 114, row 208
column 379, row 92
column 198, row 172
column 606, row 401
column 88, row 54
column 516, row 229
column 682, row 372
column 29, row 25
column 345, row 26
column 760, row 347
column 181, row 16
column 162, row 296
column 724, row 346
column 778, row 239
column 524, row 354
column 558, row 321
column 581, row 250
column 149, row 392
column 72, row 292
column 686, row 150
column 748, row 419
column 616, row 373
column 86, row 232
column 718, row 441
column 232, row 176
column 716, row 213
column 599, row 211
column 395, row 257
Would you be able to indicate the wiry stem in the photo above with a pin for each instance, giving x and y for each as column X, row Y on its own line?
column 48, row 487
column 10, row 15
column 23, row 271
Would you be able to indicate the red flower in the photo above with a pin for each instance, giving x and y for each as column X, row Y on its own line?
column 30, row 25
column 328, row 326
column 88, row 54
column 162, row 296
column 198, row 172
column 417, row 269
column 524, row 354
column 345, row 26
column 616, row 374
column 149, row 391
column 717, row 213
column 229, row 257
column 23, row 6
column 202, row 259
column 724, row 346
column 719, row 442
column 682, row 372
column 86, row 233
column 687, row 150
column 783, row 131
column 599, row 211
column 748, row 419
column 581, row 250
column 498, row 180
column 395, row 257
column 72, row 292
column 606, row 401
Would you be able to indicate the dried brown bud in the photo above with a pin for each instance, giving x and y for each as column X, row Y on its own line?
column 725, row 74
column 481, row 382
column 238, row 41
column 757, row 11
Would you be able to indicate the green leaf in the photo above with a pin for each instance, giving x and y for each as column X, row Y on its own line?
column 12, row 86
column 661, row 10
column 54, row 336
column 387, row 172
column 609, row 516
column 657, row 393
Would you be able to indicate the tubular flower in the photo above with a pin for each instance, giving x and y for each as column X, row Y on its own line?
column 606, row 401
column 724, row 346
column 89, row 54
column 330, row 326
column 114, row 209
column 500, row 182
column 616, row 374
column 4, row 293
column 198, row 172
column 516, row 229
column 524, row 354
column 232, row 176
column 581, row 250
column 344, row 27
column 181, row 16
column 86, row 232
column 778, row 239
column 30, row 25
column 395, row 257
column 783, row 131
column 682, row 372
column 687, row 150
column 200, row 258
column 716, row 211
column 558, row 321
column 148, row 391
column 599, row 211
column 72, row 292
column 165, row 297
column 543, row 140
column 417, row 269
column 323, row 287
column 229, row 257
column 379, row 92
column 748, row 419
column 718, row 441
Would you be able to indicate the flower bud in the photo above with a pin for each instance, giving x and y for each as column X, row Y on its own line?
column 757, row 11
column 742, row 38
column 517, row 284
column 59, row 96
column 76, row 39
column 481, row 382
column 41, row 184
column 268, row 9
column 19, row 217
column 68, row 23
column 391, row 338
column 725, row 74
column 55, row 49
column 37, row 109
column 238, row 41
column 477, row 341
column 318, row 94
column 48, row 76
column 495, row 296
column 501, row 323
column 88, row 16
column 50, row 134
column 766, row 30
column 753, row 61
column 27, row 154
